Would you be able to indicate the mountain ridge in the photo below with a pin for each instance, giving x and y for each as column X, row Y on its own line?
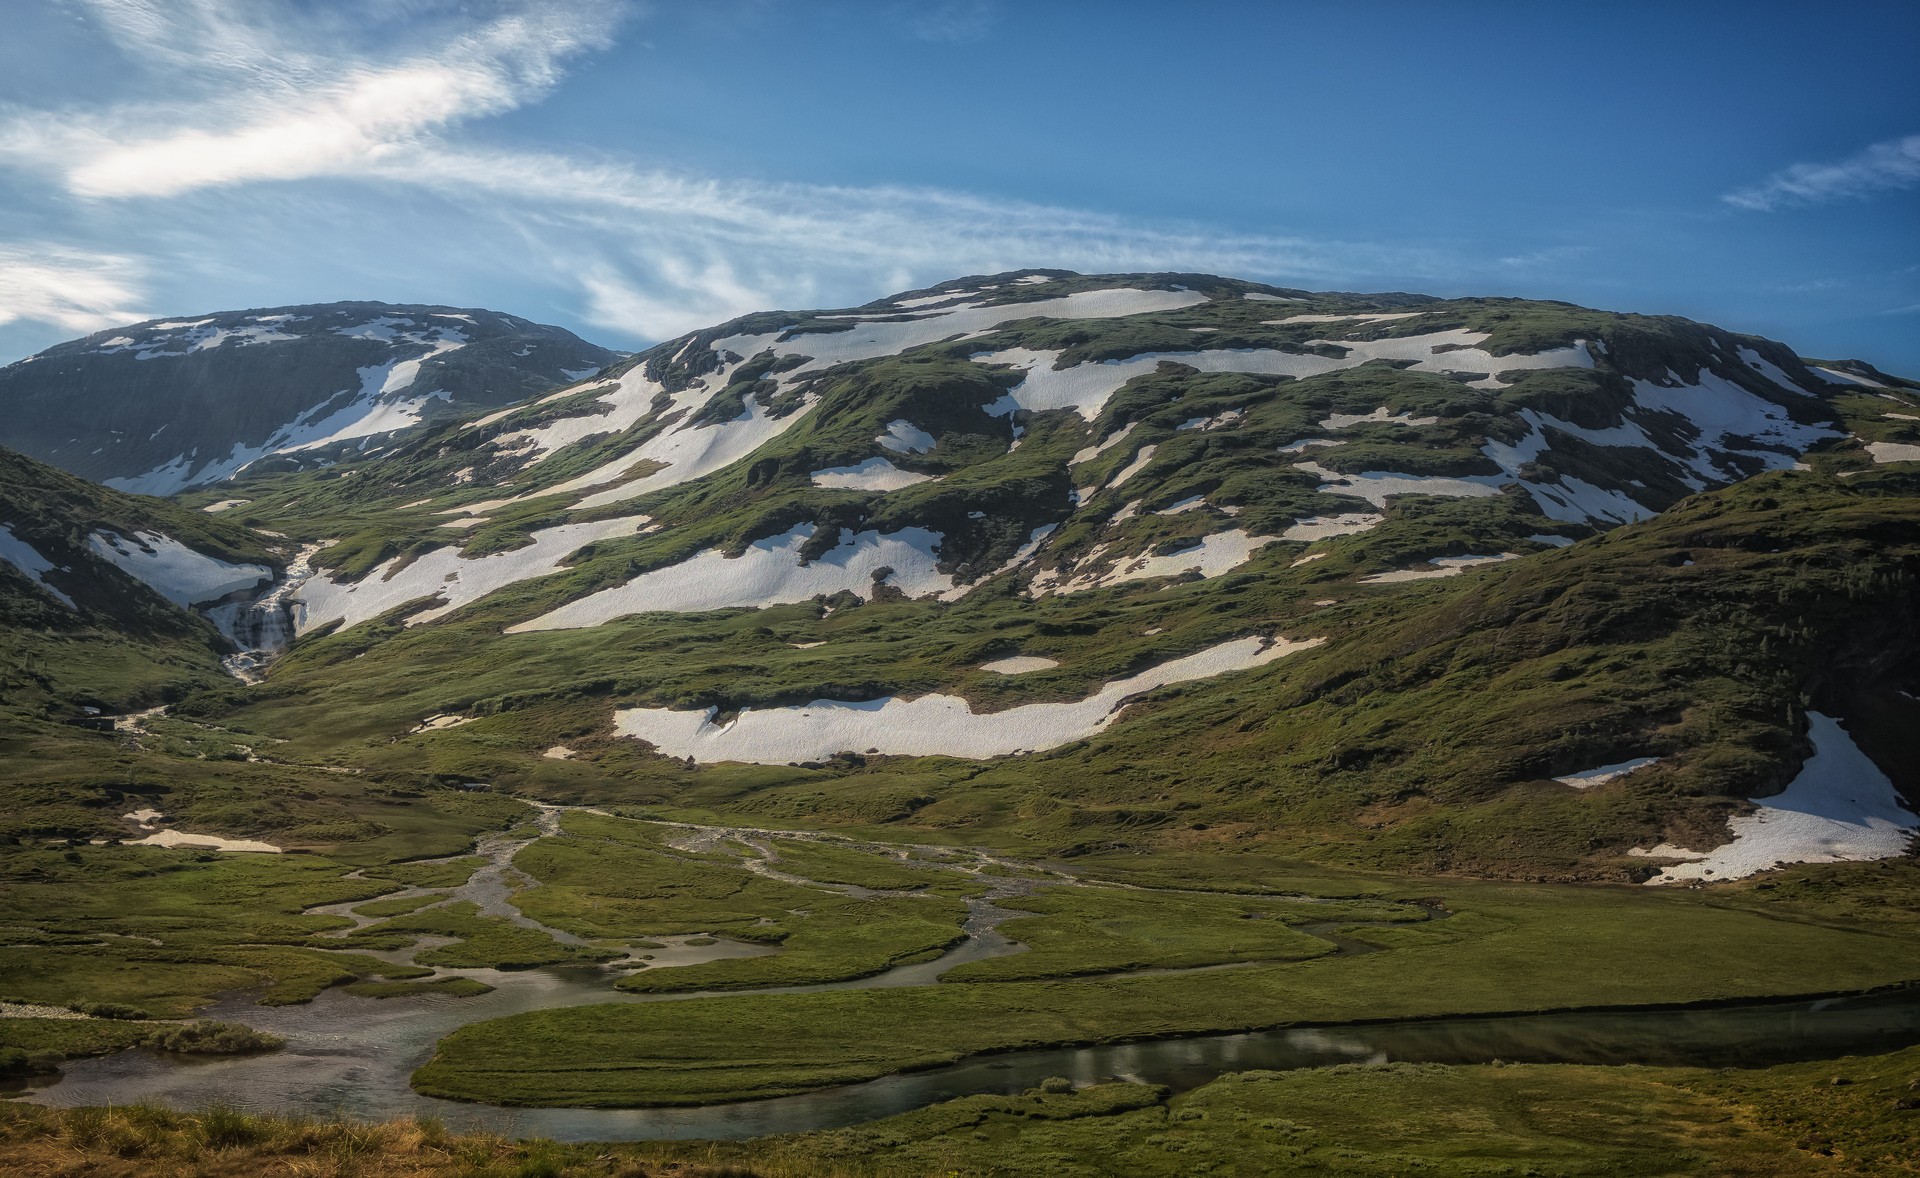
column 1071, row 487
column 180, row 402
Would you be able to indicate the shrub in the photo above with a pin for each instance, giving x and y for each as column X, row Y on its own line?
column 211, row 1038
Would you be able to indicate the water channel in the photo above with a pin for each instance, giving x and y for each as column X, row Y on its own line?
column 351, row 1056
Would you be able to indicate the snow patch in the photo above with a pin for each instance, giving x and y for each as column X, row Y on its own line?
column 620, row 405
column 197, row 336
column 1020, row 664
column 436, row 723
column 443, row 574
column 1893, row 452
column 685, row 453
column 174, row 571
column 1771, row 371
column 377, row 407
column 904, row 437
column 1352, row 317
column 932, row 725
column 181, row 838
column 1723, row 416
column 1840, row 807
column 23, row 556
column 1095, row 451
column 1086, row 388
column 1441, row 566
column 768, row 573
column 1588, row 778
column 1344, row 420
column 1328, row 526
column 1138, row 464
column 1216, row 554
column 1573, row 500
column 875, row 474
column 870, row 340
column 1021, row 556
column 1221, row 420
column 1377, row 486
column 1836, row 376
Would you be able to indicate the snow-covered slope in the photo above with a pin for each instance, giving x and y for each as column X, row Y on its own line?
column 174, row 403
column 1041, row 425
column 987, row 518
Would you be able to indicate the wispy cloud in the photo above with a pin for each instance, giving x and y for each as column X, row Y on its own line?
column 73, row 289
column 278, row 93
column 675, row 252
column 271, row 107
column 1881, row 167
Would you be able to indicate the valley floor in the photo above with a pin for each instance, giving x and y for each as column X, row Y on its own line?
column 587, row 958
column 1857, row 1115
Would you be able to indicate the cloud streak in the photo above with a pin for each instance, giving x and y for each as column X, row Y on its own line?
column 75, row 290
column 272, row 97
column 1893, row 164
column 282, row 113
column 678, row 252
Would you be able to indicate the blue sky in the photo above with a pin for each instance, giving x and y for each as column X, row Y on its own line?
column 635, row 170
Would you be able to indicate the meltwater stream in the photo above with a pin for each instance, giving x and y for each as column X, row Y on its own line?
column 344, row 1058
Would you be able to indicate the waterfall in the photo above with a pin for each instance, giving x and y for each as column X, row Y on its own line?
column 261, row 627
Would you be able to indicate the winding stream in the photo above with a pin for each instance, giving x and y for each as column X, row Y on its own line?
column 353, row 1056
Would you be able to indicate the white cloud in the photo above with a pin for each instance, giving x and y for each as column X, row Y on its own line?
column 275, row 92
column 74, row 290
column 270, row 108
column 658, row 253
column 1889, row 165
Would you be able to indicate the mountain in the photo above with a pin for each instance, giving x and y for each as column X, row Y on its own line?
column 1029, row 661
column 978, row 529
column 169, row 404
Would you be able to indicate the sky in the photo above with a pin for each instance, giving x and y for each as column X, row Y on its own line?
column 635, row 170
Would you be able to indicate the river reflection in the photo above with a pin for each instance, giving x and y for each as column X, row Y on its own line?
column 350, row 1057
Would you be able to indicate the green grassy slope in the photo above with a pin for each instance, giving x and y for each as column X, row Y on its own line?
column 1421, row 736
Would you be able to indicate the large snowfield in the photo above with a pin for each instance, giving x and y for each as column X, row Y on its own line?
column 930, row 726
